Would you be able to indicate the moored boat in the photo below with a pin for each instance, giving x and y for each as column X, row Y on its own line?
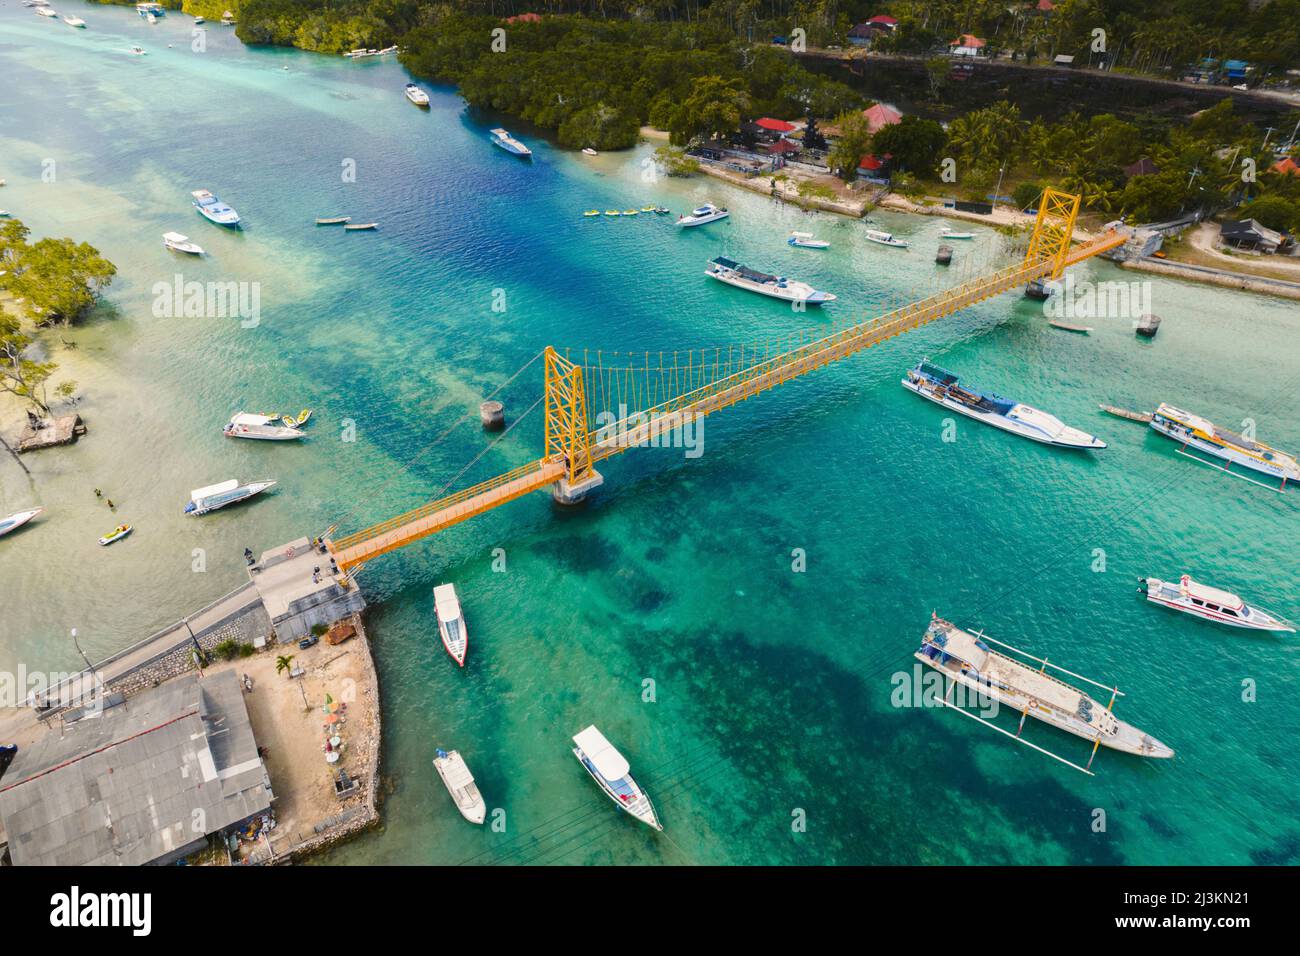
column 1029, row 690
column 47, row 13
column 884, row 238
column 944, row 388
column 805, row 240
column 949, row 233
column 212, row 497
column 451, row 622
column 1125, row 413
column 588, row 151
column 417, row 95
column 612, row 213
column 360, row 226
column 147, row 10
column 75, row 22
column 199, row 20
column 702, row 215
column 1212, row 604
column 591, row 212
column 777, row 287
column 117, row 534
column 213, row 209
column 333, row 220
column 16, row 520
column 1068, row 327
column 302, row 419
column 502, row 138
column 460, row 784
column 1203, row 435
column 137, row 51
column 179, row 243
column 612, row 774
column 262, row 427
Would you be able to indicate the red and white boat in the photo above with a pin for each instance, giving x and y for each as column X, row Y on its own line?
column 1212, row 604
column 15, row 521
column 451, row 622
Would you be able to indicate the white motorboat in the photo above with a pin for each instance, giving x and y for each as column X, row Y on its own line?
column 805, row 240
column 885, row 238
column 701, row 215
column 74, row 22
column 502, row 138
column 46, row 12
column 213, row 209
column 777, row 287
column 212, row 497
column 1028, row 690
column 612, row 774
column 137, row 51
column 1203, row 435
column 263, row 427
column 179, row 243
column 451, row 622
column 588, row 151
column 460, row 784
column 943, row 388
column 949, row 233
column 16, row 520
column 417, row 95
column 1201, row 600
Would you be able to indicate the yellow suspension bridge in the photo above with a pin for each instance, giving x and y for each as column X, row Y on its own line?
column 669, row 396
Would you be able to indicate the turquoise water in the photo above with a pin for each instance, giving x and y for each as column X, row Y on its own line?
column 771, row 688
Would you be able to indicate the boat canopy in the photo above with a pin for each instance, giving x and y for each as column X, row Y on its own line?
column 248, row 418
column 217, row 489
column 934, row 372
column 445, row 602
column 609, row 763
column 744, row 271
column 1186, row 418
column 455, row 772
column 1203, row 592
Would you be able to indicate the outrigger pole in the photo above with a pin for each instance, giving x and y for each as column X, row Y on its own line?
column 1226, row 470
column 1042, row 660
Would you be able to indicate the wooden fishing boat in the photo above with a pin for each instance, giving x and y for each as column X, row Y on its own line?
column 360, row 226
column 1067, row 327
column 333, row 221
column 1118, row 412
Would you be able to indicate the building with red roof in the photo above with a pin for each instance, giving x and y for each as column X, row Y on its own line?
column 1288, row 166
column 966, row 45
column 524, row 18
column 879, row 116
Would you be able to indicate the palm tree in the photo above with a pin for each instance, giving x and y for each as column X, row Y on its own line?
column 284, row 663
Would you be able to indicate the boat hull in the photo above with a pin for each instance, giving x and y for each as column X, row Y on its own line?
column 1086, row 443
column 15, row 521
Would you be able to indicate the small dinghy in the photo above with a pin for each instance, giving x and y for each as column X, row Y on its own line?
column 460, row 784
column 360, row 226
column 179, row 243
column 334, row 221
column 1200, row 600
column 117, row 534
column 16, row 520
column 805, row 240
column 611, row 771
column 950, row 234
column 1067, row 327
column 884, row 238
column 451, row 623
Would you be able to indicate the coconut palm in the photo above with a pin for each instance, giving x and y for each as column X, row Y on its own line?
column 283, row 663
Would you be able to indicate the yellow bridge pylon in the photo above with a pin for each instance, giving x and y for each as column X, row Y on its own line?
column 699, row 385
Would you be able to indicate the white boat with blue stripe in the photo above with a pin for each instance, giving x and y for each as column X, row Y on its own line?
column 944, row 388
column 213, row 209
column 610, row 770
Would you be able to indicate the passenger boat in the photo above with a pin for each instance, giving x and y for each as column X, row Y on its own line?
column 386, row 50
column 884, row 238
column 610, row 770
column 360, row 226
column 951, row 234
column 1210, row 603
column 203, row 500
column 75, row 22
column 701, row 215
column 588, row 151
column 417, row 95
column 357, row 54
column 47, row 13
column 944, row 388
column 778, row 287
column 147, row 10
column 451, row 622
column 179, row 243
column 460, row 784
column 1029, row 690
column 16, row 520
column 333, row 221
column 805, row 240
column 117, row 534
column 511, row 145
column 261, row 427
column 1199, row 433
column 302, row 419
column 213, row 209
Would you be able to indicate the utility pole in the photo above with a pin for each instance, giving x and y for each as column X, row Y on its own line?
column 997, row 190
column 93, row 673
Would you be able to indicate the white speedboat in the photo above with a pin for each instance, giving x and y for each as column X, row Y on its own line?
column 1203, row 435
column 805, row 240
column 777, row 287
column 1212, row 604
column 885, row 238
column 952, row 234
column 612, row 774
column 451, row 622
column 262, row 427
column 203, row 500
column 588, row 151
column 179, row 243
column 16, row 520
column 147, row 10
column 213, row 209
column 1027, row 689
column 74, row 22
column 701, row 215
column 417, row 95
column 137, row 51
column 46, row 12
column 460, row 784
column 511, row 145
column 944, row 388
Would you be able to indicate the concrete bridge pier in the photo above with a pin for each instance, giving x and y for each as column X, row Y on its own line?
column 565, row 492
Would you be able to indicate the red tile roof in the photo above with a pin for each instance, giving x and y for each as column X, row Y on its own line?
column 775, row 125
column 880, row 115
column 784, row 146
column 968, row 39
column 882, row 18
column 1288, row 165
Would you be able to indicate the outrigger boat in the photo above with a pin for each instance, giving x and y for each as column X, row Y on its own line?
column 1203, row 435
column 1210, row 603
column 610, row 770
column 117, row 534
column 179, row 243
column 944, row 388
column 451, row 622
column 511, row 145
column 965, row 658
column 213, row 209
column 885, row 238
column 701, row 215
column 777, row 287
column 212, row 497
column 16, row 520
column 334, row 221
column 249, row 425
column 460, row 784
column 805, row 240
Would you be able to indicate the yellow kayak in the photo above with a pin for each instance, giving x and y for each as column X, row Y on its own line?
column 629, row 212
column 612, row 212
column 592, row 212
